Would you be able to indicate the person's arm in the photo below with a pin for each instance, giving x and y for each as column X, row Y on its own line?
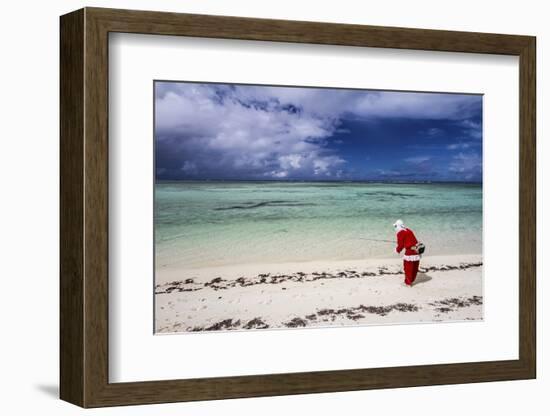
column 400, row 242
column 414, row 241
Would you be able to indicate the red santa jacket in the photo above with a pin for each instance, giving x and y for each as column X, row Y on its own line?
column 405, row 240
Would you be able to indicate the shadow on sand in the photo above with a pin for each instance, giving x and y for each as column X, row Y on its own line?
column 422, row 278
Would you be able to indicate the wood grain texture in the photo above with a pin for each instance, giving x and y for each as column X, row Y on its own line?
column 71, row 185
column 527, row 208
column 225, row 27
column 96, row 208
column 84, row 207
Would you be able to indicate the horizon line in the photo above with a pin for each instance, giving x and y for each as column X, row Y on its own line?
column 426, row 181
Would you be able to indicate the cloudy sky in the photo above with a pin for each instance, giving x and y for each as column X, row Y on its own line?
column 243, row 132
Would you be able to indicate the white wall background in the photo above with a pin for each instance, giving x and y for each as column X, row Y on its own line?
column 29, row 159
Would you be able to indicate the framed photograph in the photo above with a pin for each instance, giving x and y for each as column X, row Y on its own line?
column 255, row 207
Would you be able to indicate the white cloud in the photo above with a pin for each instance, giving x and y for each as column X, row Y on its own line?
column 279, row 174
column 278, row 131
column 417, row 159
column 457, row 146
column 469, row 124
column 370, row 104
column 418, row 105
column 290, row 161
column 189, row 167
column 224, row 128
column 322, row 165
column 434, row 131
column 471, row 128
column 469, row 165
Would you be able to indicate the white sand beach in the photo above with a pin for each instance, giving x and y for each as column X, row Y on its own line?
column 316, row 294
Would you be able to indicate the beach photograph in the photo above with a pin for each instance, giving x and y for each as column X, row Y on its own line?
column 283, row 207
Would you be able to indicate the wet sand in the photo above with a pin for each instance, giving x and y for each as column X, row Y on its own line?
column 316, row 294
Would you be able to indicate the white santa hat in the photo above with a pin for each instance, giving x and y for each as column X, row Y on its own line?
column 398, row 225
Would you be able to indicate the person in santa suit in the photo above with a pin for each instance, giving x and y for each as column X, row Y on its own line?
column 406, row 240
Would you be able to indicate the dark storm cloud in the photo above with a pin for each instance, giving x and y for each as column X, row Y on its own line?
column 216, row 131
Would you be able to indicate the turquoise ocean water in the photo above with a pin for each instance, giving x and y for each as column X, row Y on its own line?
column 204, row 224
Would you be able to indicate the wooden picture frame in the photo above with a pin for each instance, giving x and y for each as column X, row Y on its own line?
column 84, row 207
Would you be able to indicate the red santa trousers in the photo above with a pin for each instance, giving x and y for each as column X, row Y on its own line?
column 411, row 270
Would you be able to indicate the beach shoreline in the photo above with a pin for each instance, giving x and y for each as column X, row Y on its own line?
column 317, row 294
